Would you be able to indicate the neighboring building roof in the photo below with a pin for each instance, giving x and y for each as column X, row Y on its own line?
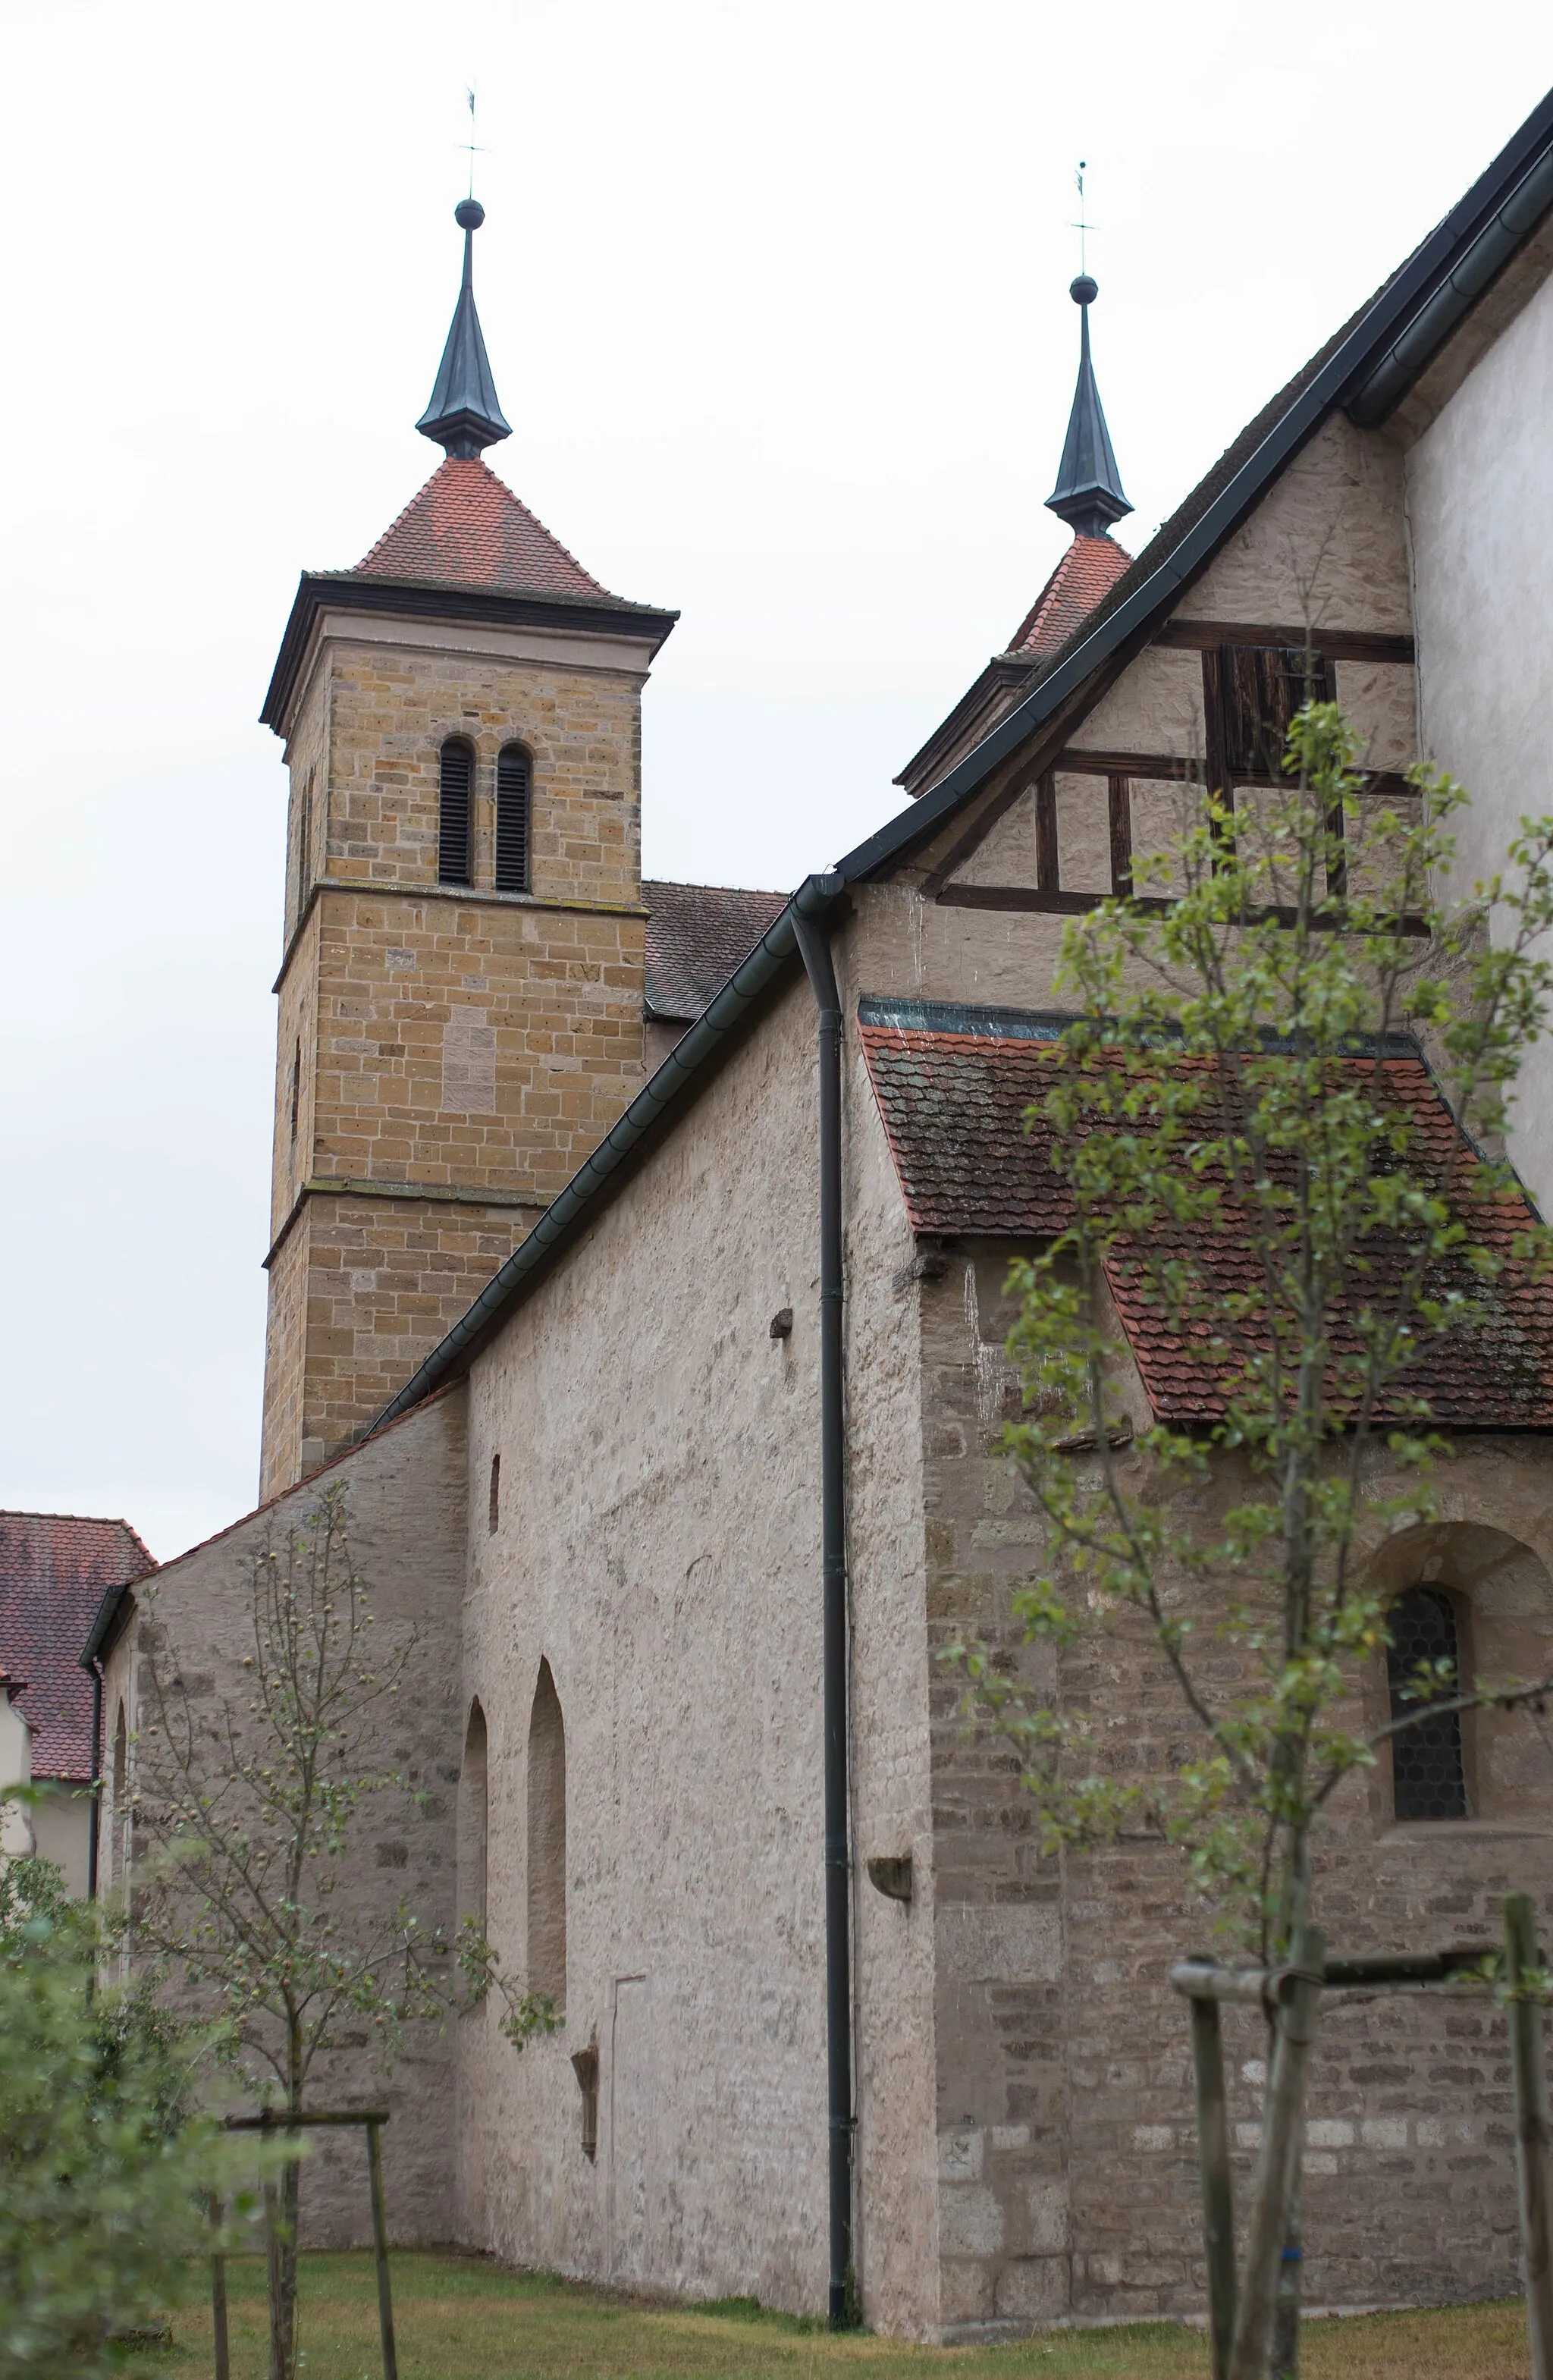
column 54, row 1571
column 467, row 529
column 954, row 1086
column 1085, row 575
column 696, row 936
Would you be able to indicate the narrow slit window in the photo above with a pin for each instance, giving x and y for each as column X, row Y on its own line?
column 1427, row 1776
column 514, row 816
column 454, row 815
column 547, row 1843
column 296, row 1084
column 494, row 1515
column 473, row 1819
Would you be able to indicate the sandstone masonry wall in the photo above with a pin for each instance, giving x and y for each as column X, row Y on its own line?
column 468, row 1042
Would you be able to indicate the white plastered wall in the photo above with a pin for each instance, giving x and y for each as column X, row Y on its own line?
column 675, row 1591
column 1480, row 514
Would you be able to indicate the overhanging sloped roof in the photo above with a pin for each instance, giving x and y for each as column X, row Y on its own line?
column 1365, row 368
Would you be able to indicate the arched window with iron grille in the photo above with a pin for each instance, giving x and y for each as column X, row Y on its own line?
column 513, row 819
column 1429, row 1779
column 454, row 812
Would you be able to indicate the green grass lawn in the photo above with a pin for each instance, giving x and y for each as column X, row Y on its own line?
column 458, row 2318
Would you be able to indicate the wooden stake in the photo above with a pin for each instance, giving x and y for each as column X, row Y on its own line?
column 1531, row 2128
column 380, row 2241
column 218, row 2298
column 1282, row 2131
column 1213, row 2161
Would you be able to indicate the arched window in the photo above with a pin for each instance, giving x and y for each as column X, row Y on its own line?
column 547, row 1842
column 514, row 813
column 472, row 1807
column 1427, row 1776
column 454, row 812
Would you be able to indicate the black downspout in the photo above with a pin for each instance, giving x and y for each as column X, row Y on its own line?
column 96, row 1779
column 813, row 944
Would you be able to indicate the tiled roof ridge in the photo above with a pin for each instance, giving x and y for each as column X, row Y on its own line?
column 1089, row 568
column 79, row 1519
column 698, row 884
column 471, row 477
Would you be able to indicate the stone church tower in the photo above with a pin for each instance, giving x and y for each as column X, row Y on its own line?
column 461, row 988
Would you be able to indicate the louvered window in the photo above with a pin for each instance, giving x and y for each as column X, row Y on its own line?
column 514, row 810
column 453, row 814
column 1429, row 1779
column 1259, row 689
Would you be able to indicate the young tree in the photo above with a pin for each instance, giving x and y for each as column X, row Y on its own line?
column 252, row 1810
column 103, row 2168
column 1246, row 1181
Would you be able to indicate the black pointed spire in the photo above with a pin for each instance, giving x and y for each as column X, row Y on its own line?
column 1088, row 491
column 464, row 416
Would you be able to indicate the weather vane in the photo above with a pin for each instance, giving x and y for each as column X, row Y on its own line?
column 1082, row 227
column 476, row 152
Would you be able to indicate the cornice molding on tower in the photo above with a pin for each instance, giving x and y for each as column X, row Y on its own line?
column 365, row 888
column 443, row 1194
column 417, row 600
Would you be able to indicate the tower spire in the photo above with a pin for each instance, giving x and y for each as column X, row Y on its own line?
column 1088, row 491
column 464, row 416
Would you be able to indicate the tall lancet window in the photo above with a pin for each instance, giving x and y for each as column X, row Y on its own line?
column 473, row 1818
column 513, row 814
column 454, row 815
column 547, row 1843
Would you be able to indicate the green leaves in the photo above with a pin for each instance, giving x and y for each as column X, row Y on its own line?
column 103, row 2167
column 1273, row 1220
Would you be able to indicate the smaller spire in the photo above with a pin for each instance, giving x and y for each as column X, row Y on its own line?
column 464, row 416
column 1088, row 491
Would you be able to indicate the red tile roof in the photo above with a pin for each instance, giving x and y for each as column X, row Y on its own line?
column 54, row 1571
column 953, row 1104
column 695, row 937
column 1085, row 575
column 467, row 529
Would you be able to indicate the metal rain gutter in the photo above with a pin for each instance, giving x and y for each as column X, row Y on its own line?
column 816, row 899
column 1495, row 243
column 1364, row 353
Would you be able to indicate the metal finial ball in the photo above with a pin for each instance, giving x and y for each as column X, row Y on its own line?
column 468, row 215
column 1085, row 290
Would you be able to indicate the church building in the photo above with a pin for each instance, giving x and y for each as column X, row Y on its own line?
column 638, row 1264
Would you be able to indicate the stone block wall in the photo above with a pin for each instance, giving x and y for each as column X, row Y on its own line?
column 1067, row 2143
column 405, row 1502
column 474, row 1043
column 361, row 1288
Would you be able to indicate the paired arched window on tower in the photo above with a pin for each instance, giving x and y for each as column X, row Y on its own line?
column 514, row 816
column 1429, row 1775
column 513, row 819
column 456, row 813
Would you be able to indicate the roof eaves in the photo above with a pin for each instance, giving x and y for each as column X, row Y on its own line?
column 440, row 599
column 682, row 1075
column 1499, row 193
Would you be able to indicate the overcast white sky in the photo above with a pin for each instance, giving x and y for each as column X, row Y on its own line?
column 776, row 302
